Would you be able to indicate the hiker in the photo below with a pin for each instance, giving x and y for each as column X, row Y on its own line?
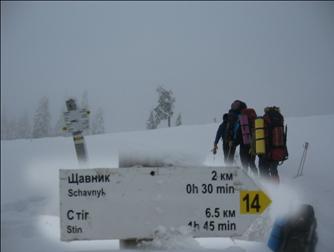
column 247, row 139
column 268, row 168
column 237, row 106
column 227, row 131
column 275, row 143
column 222, row 134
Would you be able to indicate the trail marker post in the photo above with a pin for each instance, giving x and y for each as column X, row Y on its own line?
column 76, row 121
column 133, row 203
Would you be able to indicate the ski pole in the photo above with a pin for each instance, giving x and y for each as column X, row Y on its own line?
column 305, row 148
column 302, row 161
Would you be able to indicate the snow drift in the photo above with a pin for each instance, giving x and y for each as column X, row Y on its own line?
column 29, row 183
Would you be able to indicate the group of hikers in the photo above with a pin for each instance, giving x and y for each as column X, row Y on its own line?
column 262, row 136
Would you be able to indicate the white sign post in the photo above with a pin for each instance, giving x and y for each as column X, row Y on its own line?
column 132, row 203
column 76, row 121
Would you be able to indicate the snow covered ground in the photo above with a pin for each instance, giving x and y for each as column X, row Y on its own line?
column 29, row 183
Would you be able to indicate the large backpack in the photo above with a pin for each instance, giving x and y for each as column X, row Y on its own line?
column 276, row 135
column 246, row 119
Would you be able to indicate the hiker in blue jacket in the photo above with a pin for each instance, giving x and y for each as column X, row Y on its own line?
column 228, row 132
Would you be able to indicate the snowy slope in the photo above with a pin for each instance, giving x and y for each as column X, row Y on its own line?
column 29, row 182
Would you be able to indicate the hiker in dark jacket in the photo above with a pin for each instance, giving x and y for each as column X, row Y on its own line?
column 227, row 145
column 227, row 131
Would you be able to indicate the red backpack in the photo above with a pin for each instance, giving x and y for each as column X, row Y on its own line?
column 246, row 119
column 276, row 135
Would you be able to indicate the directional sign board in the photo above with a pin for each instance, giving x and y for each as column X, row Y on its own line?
column 76, row 120
column 133, row 202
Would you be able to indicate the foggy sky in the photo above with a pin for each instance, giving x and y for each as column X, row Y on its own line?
column 208, row 53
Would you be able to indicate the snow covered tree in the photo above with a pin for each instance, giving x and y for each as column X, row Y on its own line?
column 41, row 125
column 178, row 121
column 165, row 107
column 8, row 126
column 152, row 123
column 5, row 127
column 13, row 128
column 23, row 127
column 9, row 129
column 60, row 124
column 98, row 122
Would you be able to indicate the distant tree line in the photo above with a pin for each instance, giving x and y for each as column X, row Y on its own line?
column 40, row 125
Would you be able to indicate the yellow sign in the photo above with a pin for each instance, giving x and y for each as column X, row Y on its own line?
column 253, row 202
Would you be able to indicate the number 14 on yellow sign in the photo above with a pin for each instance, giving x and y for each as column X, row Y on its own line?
column 253, row 202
